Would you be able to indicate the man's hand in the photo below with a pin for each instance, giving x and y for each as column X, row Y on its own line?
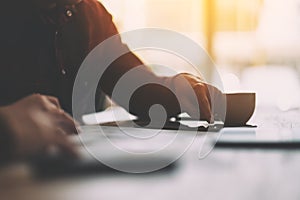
column 37, row 123
column 211, row 101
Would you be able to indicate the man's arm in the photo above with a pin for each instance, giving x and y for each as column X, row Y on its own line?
column 176, row 94
column 128, row 71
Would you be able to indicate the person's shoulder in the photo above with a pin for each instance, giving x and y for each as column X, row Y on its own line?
column 94, row 7
column 94, row 4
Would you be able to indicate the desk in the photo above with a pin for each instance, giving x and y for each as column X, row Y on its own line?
column 233, row 174
column 224, row 174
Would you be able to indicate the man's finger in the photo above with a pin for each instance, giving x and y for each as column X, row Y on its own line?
column 218, row 103
column 62, row 142
column 54, row 101
column 204, row 103
column 68, row 124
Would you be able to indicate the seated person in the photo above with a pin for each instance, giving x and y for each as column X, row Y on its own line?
column 43, row 44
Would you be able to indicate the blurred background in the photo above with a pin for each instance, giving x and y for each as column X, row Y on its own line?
column 254, row 44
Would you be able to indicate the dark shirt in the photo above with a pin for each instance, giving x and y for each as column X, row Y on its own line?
column 42, row 49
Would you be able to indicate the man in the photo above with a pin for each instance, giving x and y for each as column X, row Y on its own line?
column 44, row 42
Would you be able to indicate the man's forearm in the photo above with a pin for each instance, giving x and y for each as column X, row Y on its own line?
column 129, row 76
